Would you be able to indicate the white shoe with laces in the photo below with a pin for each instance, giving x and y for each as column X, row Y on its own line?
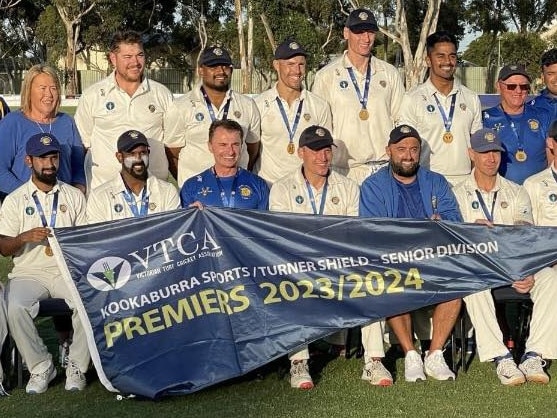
column 38, row 382
column 436, row 367
column 532, row 366
column 508, row 373
column 75, row 378
column 413, row 367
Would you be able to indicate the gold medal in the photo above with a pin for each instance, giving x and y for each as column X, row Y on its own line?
column 291, row 148
column 520, row 155
column 48, row 251
column 364, row 114
column 447, row 137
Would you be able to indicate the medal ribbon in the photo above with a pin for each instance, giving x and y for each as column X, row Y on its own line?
column 291, row 131
column 227, row 201
column 488, row 214
column 130, row 200
column 210, row 106
column 516, row 132
column 323, row 197
column 41, row 211
column 361, row 98
column 448, row 122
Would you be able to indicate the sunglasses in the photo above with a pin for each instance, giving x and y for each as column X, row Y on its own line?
column 512, row 86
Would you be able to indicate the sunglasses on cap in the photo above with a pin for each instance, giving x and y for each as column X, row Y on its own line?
column 513, row 86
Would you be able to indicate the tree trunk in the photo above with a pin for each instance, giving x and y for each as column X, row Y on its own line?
column 241, row 41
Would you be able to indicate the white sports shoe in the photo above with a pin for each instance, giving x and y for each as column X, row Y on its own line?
column 38, row 383
column 413, row 367
column 508, row 373
column 75, row 378
column 532, row 366
column 299, row 375
column 435, row 366
column 377, row 374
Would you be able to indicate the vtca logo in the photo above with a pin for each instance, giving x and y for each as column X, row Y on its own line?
column 109, row 273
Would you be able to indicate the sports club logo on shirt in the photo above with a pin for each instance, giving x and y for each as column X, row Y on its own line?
column 245, row 191
column 534, row 125
column 109, row 273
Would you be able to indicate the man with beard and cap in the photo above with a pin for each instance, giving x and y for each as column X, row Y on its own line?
column 135, row 192
column 286, row 110
column 26, row 218
column 126, row 99
column 403, row 189
column 190, row 116
column 365, row 94
column 443, row 111
column 225, row 184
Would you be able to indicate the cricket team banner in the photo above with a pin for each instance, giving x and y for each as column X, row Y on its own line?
column 175, row 302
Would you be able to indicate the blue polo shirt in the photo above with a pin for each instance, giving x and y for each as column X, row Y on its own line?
column 546, row 101
column 529, row 133
column 250, row 190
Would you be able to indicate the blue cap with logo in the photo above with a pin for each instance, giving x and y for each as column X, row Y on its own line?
column 289, row 48
column 401, row 132
column 360, row 20
column 130, row 140
column 215, row 55
column 486, row 140
column 41, row 144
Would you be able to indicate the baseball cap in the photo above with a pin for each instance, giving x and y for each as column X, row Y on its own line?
column 41, row 144
column 316, row 138
column 486, row 140
column 131, row 139
column 361, row 19
column 289, row 48
column 213, row 56
column 401, row 132
column 552, row 133
column 510, row 70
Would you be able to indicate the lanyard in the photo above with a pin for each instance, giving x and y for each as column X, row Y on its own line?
column 130, row 200
column 291, row 130
column 448, row 122
column 227, row 201
column 312, row 198
column 517, row 133
column 488, row 215
column 210, row 106
column 41, row 211
column 361, row 98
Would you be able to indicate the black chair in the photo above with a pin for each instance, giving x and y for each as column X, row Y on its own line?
column 61, row 314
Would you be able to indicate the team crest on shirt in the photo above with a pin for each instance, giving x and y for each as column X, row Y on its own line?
column 552, row 197
column 475, row 205
column 152, row 108
column 205, row 191
column 110, row 106
column 299, row 200
column 307, row 117
column 430, row 108
column 504, row 205
column 237, row 114
column 343, row 84
column 29, row 210
column 245, row 191
column 335, row 200
column 152, row 206
column 463, row 107
column 199, row 117
column 533, row 124
column 383, row 83
column 63, row 208
column 118, row 208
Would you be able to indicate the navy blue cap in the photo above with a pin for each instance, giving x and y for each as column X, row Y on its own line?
column 316, row 138
column 401, row 132
column 361, row 19
column 510, row 70
column 213, row 56
column 41, row 144
column 486, row 140
column 131, row 139
column 289, row 48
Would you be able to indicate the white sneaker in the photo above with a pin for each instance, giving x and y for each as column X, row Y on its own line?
column 299, row 375
column 532, row 366
column 38, row 383
column 376, row 374
column 75, row 378
column 435, row 366
column 413, row 367
column 508, row 373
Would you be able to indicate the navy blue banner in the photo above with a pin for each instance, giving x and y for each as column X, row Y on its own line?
column 176, row 302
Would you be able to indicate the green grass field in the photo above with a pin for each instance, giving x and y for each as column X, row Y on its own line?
column 339, row 393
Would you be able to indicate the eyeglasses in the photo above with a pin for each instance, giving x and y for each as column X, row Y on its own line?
column 512, row 86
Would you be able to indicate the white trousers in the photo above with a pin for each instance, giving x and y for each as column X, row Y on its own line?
column 542, row 338
column 3, row 325
column 23, row 295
